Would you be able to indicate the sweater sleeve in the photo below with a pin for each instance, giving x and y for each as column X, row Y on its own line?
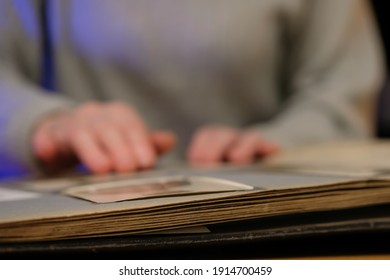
column 335, row 68
column 22, row 101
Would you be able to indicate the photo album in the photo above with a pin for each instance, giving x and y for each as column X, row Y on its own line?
column 310, row 180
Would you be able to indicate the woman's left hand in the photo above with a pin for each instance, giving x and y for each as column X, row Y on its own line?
column 215, row 144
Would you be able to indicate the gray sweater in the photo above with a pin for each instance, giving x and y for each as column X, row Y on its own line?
column 299, row 70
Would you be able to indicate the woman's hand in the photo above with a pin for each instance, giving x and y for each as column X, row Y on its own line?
column 217, row 143
column 103, row 136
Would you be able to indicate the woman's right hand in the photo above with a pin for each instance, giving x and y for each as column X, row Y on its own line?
column 105, row 137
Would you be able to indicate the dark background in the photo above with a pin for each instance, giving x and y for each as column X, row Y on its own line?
column 383, row 113
column 383, row 20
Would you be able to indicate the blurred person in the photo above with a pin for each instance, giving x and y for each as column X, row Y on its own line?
column 117, row 84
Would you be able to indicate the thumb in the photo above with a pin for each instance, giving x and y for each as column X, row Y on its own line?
column 268, row 149
column 164, row 141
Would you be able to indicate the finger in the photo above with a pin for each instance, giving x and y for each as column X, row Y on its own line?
column 245, row 149
column 44, row 144
column 143, row 148
column 268, row 148
column 210, row 144
column 113, row 141
column 163, row 141
column 86, row 147
column 135, row 132
column 50, row 149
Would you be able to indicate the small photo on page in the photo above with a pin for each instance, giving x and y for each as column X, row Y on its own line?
column 152, row 188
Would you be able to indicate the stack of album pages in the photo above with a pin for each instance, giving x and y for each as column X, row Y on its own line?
column 84, row 206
